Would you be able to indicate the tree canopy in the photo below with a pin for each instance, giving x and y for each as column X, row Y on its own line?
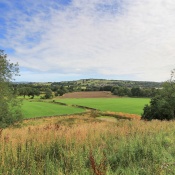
column 162, row 106
column 9, row 105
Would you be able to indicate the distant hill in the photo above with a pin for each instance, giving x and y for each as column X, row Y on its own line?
column 103, row 82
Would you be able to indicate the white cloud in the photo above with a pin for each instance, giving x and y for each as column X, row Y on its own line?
column 103, row 37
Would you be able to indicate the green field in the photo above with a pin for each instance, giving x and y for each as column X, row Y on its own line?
column 38, row 109
column 32, row 109
column 126, row 105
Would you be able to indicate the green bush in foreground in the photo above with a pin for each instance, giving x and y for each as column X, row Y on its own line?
column 162, row 106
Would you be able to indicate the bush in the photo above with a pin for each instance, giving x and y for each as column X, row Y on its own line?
column 162, row 106
column 159, row 108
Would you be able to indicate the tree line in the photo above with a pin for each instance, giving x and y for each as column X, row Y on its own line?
column 32, row 90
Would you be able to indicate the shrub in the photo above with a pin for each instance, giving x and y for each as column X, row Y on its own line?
column 162, row 106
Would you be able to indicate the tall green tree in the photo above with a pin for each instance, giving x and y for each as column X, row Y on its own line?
column 162, row 106
column 10, row 111
column 31, row 92
column 136, row 92
column 48, row 93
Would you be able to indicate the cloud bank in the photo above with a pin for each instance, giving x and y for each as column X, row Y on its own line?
column 114, row 39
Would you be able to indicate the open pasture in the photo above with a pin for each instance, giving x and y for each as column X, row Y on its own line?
column 125, row 105
column 32, row 109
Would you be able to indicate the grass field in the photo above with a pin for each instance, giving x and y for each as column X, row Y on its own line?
column 125, row 105
column 38, row 109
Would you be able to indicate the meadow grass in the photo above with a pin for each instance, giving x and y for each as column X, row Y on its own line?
column 32, row 109
column 125, row 105
column 84, row 145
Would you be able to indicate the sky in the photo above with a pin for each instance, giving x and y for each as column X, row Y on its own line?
column 61, row 40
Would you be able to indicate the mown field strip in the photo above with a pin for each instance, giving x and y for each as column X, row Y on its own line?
column 39, row 109
column 126, row 105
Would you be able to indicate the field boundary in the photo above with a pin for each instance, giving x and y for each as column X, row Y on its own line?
column 125, row 116
column 61, row 115
column 73, row 105
column 121, row 115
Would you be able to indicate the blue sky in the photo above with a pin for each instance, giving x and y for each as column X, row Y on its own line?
column 59, row 40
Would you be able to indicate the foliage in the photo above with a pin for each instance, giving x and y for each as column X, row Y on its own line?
column 48, row 93
column 121, row 91
column 30, row 91
column 134, row 91
column 9, row 105
column 61, row 91
column 162, row 106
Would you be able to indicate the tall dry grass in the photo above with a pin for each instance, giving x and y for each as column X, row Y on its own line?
column 86, row 145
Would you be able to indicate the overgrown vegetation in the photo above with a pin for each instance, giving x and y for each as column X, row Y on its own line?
column 85, row 145
column 9, row 105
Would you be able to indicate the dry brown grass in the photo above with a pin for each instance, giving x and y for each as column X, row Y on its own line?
column 94, row 139
column 125, row 115
column 48, row 129
column 79, row 128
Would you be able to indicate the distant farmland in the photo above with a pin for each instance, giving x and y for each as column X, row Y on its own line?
column 125, row 105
